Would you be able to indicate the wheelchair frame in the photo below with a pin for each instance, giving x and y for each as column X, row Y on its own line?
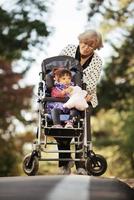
column 95, row 164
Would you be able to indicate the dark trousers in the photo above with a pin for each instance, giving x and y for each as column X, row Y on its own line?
column 64, row 143
column 79, row 164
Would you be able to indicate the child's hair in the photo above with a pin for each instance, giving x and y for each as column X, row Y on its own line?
column 58, row 73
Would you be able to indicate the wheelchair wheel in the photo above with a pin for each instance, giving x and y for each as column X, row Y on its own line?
column 98, row 167
column 34, row 166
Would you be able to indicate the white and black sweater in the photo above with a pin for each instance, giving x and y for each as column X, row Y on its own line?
column 91, row 73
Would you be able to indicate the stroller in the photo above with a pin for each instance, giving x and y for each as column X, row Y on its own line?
column 95, row 164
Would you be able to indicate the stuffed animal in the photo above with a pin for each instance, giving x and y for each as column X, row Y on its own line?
column 77, row 99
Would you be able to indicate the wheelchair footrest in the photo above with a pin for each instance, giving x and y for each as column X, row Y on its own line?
column 63, row 132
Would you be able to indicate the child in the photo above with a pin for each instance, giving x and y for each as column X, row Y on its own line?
column 61, row 89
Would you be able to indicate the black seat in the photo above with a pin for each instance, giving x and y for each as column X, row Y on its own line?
column 60, row 62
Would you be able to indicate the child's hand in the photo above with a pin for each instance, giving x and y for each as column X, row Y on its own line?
column 66, row 91
column 69, row 90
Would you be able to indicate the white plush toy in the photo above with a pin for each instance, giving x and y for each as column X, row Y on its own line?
column 77, row 99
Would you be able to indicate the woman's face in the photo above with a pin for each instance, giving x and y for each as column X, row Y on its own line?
column 87, row 48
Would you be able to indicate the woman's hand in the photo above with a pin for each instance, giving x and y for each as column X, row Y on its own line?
column 88, row 98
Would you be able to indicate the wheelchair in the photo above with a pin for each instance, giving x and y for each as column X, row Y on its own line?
column 95, row 164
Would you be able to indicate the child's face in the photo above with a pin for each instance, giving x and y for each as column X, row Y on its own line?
column 66, row 79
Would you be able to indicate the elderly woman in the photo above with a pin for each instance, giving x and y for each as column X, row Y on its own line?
column 91, row 63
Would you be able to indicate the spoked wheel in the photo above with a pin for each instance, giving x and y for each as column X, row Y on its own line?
column 30, row 168
column 96, row 167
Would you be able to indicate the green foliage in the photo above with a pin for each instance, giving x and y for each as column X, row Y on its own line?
column 113, row 138
column 114, row 117
column 8, row 158
column 116, row 91
column 20, row 26
column 128, row 136
column 14, row 98
column 116, row 87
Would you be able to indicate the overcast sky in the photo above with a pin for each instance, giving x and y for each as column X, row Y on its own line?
column 67, row 22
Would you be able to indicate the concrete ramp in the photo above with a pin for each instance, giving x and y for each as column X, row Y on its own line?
column 64, row 188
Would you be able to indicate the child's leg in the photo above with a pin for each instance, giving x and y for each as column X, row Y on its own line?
column 73, row 113
column 55, row 113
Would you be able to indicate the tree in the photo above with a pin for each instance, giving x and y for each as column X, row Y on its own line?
column 22, row 26
column 116, row 87
column 115, row 91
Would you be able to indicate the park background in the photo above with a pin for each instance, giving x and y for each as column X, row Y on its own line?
column 32, row 30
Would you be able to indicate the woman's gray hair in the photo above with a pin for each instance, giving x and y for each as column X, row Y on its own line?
column 90, row 36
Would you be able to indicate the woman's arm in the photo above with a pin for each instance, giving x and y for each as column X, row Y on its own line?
column 69, row 50
column 92, row 74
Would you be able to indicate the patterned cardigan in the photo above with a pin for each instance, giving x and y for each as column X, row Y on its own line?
column 91, row 73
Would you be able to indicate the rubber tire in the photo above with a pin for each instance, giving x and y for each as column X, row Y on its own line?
column 34, row 168
column 96, row 171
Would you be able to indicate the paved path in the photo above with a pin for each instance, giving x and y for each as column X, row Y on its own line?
column 63, row 188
